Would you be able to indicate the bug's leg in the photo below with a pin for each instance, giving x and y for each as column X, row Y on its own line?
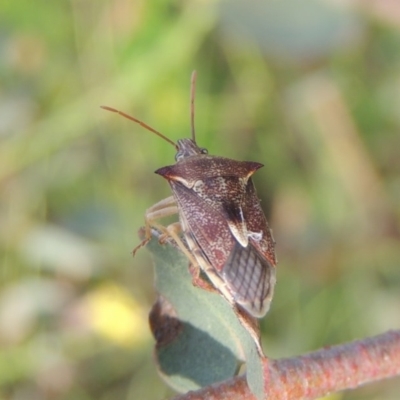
column 174, row 227
column 163, row 208
column 199, row 281
column 173, row 231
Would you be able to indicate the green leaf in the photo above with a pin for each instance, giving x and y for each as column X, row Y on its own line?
column 200, row 340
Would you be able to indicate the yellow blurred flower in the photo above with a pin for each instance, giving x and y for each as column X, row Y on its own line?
column 116, row 315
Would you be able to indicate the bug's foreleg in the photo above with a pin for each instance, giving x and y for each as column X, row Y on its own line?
column 166, row 208
column 163, row 208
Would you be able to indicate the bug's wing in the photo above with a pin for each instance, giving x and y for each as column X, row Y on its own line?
column 205, row 227
column 251, row 279
column 250, row 269
column 248, row 275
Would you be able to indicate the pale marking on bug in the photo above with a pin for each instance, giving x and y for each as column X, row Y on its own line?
column 257, row 236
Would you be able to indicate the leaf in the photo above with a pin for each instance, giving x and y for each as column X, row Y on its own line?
column 200, row 340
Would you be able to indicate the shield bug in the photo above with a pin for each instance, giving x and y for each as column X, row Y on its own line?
column 225, row 231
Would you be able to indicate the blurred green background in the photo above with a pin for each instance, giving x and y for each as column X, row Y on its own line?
column 309, row 88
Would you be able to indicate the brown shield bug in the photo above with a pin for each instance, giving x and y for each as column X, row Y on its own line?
column 224, row 228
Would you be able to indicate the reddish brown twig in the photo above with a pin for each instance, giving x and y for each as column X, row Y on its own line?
column 317, row 374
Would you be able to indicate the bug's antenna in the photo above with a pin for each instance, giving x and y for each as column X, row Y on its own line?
column 149, row 128
column 192, row 95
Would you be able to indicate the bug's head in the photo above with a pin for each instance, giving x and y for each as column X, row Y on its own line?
column 188, row 148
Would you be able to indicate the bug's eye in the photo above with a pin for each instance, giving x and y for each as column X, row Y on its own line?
column 203, row 151
column 178, row 156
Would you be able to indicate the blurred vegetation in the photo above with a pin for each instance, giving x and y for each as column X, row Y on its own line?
column 310, row 89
